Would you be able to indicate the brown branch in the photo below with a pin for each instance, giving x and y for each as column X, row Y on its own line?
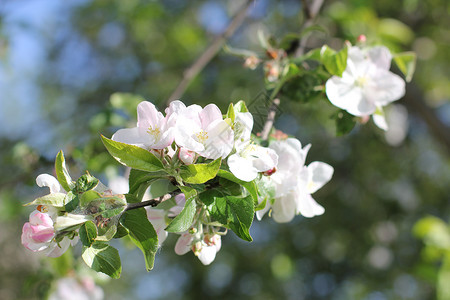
column 270, row 119
column 210, row 52
column 310, row 10
column 151, row 202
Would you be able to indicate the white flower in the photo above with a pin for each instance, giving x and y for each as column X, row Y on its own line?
column 202, row 130
column 204, row 248
column 366, row 84
column 249, row 158
column 69, row 288
column 153, row 131
column 294, row 183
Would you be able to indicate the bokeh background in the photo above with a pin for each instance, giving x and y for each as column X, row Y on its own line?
column 60, row 61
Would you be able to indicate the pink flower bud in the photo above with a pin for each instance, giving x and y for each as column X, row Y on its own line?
column 37, row 233
column 252, row 62
column 361, row 38
column 270, row 172
column 186, row 156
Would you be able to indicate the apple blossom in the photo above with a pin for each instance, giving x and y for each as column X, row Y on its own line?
column 294, row 182
column 202, row 130
column 158, row 219
column 69, row 288
column 204, row 246
column 153, row 131
column 249, row 158
column 366, row 84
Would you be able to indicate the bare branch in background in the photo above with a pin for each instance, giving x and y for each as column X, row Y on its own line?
column 210, row 52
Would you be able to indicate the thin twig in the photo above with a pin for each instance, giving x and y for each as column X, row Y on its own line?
column 210, row 52
column 310, row 12
column 151, row 202
column 270, row 119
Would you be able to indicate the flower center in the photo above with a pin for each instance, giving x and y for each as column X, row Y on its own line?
column 361, row 81
column 250, row 149
column 202, row 136
column 155, row 132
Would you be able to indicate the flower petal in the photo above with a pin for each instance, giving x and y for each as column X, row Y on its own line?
column 183, row 244
column 148, row 115
column 48, row 181
column 388, row 87
column 210, row 114
column 283, row 209
column 242, row 168
column 133, row 136
column 321, row 174
column 207, row 254
column 308, row 207
column 381, row 56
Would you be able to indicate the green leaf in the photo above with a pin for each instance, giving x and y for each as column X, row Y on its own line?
column 184, row 220
column 234, row 212
column 88, row 233
column 200, row 173
column 406, row 62
column 142, row 234
column 88, row 196
column 61, row 172
column 71, row 202
column 121, row 231
column 133, row 156
column 55, row 199
column 249, row 186
column 138, row 177
column 85, row 183
column 334, row 62
column 230, row 113
column 344, row 122
column 103, row 258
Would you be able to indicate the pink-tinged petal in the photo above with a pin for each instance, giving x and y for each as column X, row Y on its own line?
column 308, row 207
column 207, row 255
column 283, row 209
column 186, row 156
column 41, row 234
column 175, row 107
column 321, row 174
column 158, row 219
column 388, row 87
column 180, row 201
column 210, row 114
column 134, row 136
column 183, row 244
column 148, row 115
column 48, row 181
column 28, row 241
column 55, row 251
column 242, row 168
column 380, row 56
column 38, row 218
column 165, row 139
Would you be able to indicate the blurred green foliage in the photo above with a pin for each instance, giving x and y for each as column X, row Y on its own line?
column 361, row 248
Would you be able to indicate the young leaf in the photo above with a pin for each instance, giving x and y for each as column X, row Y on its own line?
column 85, row 183
column 184, row 220
column 249, row 186
column 231, row 113
column 103, row 258
column 406, row 62
column 138, row 177
column 334, row 62
column 234, row 212
column 142, row 234
column 61, row 172
column 200, row 173
column 88, row 233
column 71, row 202
column 55, row 199
column 133, row 156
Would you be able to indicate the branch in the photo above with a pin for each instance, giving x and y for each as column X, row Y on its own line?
column 190, row 73
column 151, row 202
column 270, row 119
column 310, row 12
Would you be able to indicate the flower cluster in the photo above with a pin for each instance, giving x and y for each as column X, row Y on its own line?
column 366, row 85
column 214, row 176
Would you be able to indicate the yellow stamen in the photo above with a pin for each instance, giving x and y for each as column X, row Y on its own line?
column 361, row 81
column 202, row 136
column 154, row 131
